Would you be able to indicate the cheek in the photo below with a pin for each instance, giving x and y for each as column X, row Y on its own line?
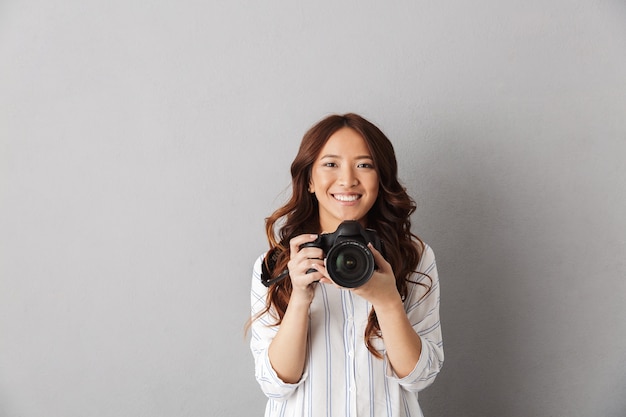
column 320, row 180
column 375, row 185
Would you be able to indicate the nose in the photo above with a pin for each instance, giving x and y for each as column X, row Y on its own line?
column 348, row 177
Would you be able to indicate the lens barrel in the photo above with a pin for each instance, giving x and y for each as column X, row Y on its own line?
column 350, row 263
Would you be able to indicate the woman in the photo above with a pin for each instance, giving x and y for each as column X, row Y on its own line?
column 321, row 349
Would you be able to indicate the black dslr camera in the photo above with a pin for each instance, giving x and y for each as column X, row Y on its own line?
column 349, row 262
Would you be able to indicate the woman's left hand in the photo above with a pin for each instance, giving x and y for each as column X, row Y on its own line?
column 381, row 289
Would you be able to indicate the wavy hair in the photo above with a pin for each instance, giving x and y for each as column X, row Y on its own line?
column 390, row 215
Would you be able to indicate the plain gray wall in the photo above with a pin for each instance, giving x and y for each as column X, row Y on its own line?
column 142, row 144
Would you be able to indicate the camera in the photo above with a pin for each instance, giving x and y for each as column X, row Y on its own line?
column 349, row 262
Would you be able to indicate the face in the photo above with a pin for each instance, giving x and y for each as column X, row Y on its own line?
column 344, row 179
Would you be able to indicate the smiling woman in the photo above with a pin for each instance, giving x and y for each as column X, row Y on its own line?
column 344, row 179
column 305, row 329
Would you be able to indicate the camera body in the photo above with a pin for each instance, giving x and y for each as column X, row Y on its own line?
column 349, row 262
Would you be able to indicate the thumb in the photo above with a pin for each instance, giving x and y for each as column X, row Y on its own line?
column 380, row 261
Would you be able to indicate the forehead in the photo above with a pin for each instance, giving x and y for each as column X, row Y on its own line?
column 345, row 142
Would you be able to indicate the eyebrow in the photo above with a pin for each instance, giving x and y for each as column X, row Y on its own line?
column 339, row 157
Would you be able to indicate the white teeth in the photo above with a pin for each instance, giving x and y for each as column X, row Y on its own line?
column 344, row 197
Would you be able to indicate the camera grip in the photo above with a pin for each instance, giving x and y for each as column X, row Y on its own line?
column 314, row 244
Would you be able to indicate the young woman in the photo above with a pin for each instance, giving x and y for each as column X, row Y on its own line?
column 324, row 350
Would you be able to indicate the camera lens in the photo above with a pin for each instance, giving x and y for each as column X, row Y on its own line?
column 350, row 264
column 346, row 261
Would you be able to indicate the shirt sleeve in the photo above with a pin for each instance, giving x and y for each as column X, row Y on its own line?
column 263, row 331
column 423, row 313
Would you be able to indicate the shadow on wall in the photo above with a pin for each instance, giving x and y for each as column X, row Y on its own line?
column 476, row 258
column 505, row 231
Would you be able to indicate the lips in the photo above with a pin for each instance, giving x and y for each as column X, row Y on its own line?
column 347, row 198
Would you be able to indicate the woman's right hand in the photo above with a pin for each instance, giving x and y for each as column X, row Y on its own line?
column 287, row 351
column 303, row 260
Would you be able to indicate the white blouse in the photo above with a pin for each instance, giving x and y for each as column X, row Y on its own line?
column 341, row 377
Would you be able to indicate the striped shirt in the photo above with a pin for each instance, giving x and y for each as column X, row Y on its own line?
column 341, row 377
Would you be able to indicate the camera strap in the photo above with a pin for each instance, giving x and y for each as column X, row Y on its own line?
column 268, row 265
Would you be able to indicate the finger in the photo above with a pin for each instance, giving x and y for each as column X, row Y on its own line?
column 296, row 242
column 321, row 273
column 312, row 253
column 305, row 270
column 380, row 261
column 309, row 275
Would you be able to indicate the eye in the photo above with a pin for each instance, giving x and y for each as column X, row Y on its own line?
column 329, row 164
column 366, row 165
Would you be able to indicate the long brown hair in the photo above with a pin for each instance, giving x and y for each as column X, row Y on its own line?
column 390, row 215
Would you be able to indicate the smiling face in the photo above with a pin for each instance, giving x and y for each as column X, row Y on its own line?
column 344, row 179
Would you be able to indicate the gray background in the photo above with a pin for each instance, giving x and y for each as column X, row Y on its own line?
column 143, row 143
